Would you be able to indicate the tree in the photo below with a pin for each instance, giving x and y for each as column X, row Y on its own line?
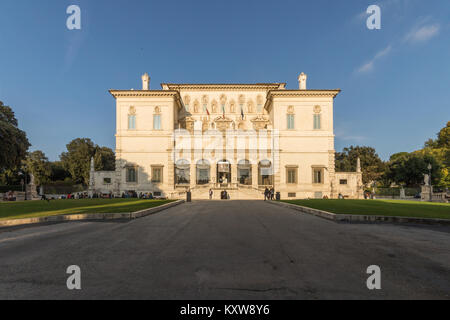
column 37, row 163
column 371, row 164
column 104, row 159
column 13, row 141
column 77, row 159
column 58, row 173
column 409, row 169
column 439, row 149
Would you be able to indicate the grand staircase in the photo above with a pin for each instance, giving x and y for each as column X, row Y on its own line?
column 237, row 192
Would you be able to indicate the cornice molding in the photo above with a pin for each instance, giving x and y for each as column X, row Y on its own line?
column 224, row 86
column 144, row 93
column 298, row 93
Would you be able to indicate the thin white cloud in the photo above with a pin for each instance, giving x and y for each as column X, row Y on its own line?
column 423, row 33
column 344, row 136
column 369, row 66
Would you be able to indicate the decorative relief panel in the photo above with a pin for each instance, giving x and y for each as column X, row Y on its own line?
column 214, row 106
column 196, row 106
column 250, row 106
column 290, row 110
column 317, row 109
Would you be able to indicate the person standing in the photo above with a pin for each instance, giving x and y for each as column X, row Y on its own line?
column 266, row 194
column 210, row 194
column 272, row 193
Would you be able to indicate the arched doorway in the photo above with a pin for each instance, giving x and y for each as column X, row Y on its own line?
column 203, row 172
column 182, row 172
column 244, row 172
column 265, row 173
column 224, row 172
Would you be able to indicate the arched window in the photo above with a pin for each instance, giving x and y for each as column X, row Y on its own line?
column 132, row 118
column 317, row 118
column 224, row 172
column 244, row 172
column 290, row 118
column 182, row 172
column 265, row 173
column 157, row 119
column 203, row 172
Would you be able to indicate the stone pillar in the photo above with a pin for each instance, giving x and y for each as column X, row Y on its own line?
column 332, row 173
column 234, row 174
column 91, row 179
column 255, row 175
column 213, row 173
column 193, row 175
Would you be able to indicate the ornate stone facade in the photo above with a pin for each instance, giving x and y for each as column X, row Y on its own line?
column 288, row 142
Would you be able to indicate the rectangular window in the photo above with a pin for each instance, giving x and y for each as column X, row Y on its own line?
column 317, row 122
column 157, row 122
column 131, row 175
column 318, row 175
column 131, row 122
column 157, row 175
column 106, row 180
column 291, row 176
column 343, row 181
column 292, row 195
column 290, row 122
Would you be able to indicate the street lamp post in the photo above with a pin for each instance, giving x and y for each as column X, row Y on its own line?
column 429, row 182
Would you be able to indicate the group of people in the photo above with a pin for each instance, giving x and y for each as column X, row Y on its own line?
column 269, row 194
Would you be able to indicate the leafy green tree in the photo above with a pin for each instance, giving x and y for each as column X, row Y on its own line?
column 371, row 164
column 409, row 169
column 104, row 159
column 37, row 163
column 77, row 159
column 58, row 173
column 440, row 150
column 13, row 141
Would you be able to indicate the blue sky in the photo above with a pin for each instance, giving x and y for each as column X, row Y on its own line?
column 395, row 81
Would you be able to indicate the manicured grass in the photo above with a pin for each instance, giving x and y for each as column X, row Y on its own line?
column 29, row 209
column 414, row 209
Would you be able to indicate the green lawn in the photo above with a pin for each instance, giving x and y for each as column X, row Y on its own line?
column 29, row 209
column 396, row 208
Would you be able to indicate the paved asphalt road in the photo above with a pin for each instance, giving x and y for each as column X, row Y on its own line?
column 225, row 250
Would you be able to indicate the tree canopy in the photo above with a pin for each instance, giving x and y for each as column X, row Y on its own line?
column 77, row 159
column 371, row 164
column 37, row 163
column 13, row 141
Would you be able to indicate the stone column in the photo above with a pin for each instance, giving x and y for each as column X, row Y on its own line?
column 91, row 179
column 213, row 174
column 234, row 174
column 332, row 173
column 193, row 175
column 255, row 175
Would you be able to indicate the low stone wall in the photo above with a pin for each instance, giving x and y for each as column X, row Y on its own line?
column 360, row 218
column 90, row 216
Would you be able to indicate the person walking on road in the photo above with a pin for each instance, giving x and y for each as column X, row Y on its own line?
column 266, row 194
column 210, row 194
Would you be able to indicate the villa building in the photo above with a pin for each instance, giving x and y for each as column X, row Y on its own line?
column 236, row 137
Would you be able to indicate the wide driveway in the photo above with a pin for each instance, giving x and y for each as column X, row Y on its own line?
column 225, row 250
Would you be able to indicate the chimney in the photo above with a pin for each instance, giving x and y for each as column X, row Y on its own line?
column 145, row 82
column 302, row 81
